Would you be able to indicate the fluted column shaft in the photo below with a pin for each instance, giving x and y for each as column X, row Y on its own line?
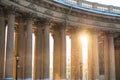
column 59, row 59
column 106, row 58
column 46, row 51
column 21, row 49
column 28, row 57
column 75, row 57
column 63, row 52
column 117, row 61
column 39, row 53
column 56, row 55
column 96, row 55
column 15, row 52
column 90, row 58
column 2, row 43
column 111, row 57
column 10, row 47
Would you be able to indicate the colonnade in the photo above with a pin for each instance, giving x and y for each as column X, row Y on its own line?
column 19, row 47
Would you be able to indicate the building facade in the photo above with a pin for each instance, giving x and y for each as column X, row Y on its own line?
column 19, row 19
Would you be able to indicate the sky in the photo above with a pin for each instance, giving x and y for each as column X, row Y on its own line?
column 108, row 2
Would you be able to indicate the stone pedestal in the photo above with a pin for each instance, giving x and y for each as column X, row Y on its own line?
column 2, row 43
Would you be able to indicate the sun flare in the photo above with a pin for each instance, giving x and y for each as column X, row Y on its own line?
column 84, row 42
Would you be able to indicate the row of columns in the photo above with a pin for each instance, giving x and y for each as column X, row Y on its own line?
column 19, row 46
column 109, row 57
column 41, row 69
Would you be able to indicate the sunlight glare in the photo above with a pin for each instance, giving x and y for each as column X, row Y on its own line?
column 84, row 42
column 33, row 53
column 68, row 55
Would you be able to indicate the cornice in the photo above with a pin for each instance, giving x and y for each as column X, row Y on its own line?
column 77, row 13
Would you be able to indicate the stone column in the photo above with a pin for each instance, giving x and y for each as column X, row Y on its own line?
column 10, row 46
column 46, row 51
column 59, row 59
column 96, row 55
column 80, row 65
column 106, row 58
column 117, row 61
column 2, row 43
column 15, row 52
column 117, row 57
column 39, row 52
column 75, row 56
column 28, row 52
column 21, row 49
column 90, row 58
column 111, row 56
column 56, row 55
column 63, row 51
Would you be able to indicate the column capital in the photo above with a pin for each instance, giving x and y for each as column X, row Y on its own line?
column 16, row 29
column 117, row 43
column 47, row 21
column 95, row 30
column 29, row 15
column 20, row 19
column 38, row 27
column 34, row 30
column 39, row 23
column 59, row 27
column 110, row 33
column 11, row 9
